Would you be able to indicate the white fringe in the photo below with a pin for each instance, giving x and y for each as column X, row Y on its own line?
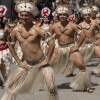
column 8, row 96
column 96, row 70
column 88, row 53
column 81, row 81
column 69, row 69
column 23, row 81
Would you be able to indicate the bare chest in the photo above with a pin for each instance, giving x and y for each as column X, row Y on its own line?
column 66, row 31
column 26, row 36
column 89, row 27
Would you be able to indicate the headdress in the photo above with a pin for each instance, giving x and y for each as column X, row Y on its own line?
column 95, row 8
column 62, row 9
column 98, row 15
column 72, row 17
column 3, row 10
column 28, row 7
column 45, row 11
column 54, row 14
column 86, row 10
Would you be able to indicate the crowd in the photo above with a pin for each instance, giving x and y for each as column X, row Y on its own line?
column 46, row 43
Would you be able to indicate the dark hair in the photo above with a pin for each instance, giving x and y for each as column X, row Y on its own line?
column 2, row 25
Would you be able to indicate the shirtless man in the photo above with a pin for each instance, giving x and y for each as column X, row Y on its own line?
column 91, row 27
column 95, row 12
column 65, row 32
column 88, row 25
column 26, row 77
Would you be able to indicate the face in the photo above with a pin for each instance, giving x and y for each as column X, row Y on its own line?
column 63, row 16
column 87, row 16
column 11, row 26
column 45, row 18
column 25, row 17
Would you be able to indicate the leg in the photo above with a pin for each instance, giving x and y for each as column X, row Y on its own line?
column 97, row 52
column 42, row 84
column 48, row 74
column 3, row 70
column 83, row 78
column 79, row 61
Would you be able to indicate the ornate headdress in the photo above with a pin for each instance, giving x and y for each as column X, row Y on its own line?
column 62, row 9
column 45, row 11
column 72, row 17
column 3, row 10
column 54, row 14
column 86, row 10
column 98, row 15
column 95, row 8
column 28, row 7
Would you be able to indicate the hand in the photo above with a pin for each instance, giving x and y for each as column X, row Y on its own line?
column 24, row 65
column 44, row 62
column 73, row 49
column 96, row 42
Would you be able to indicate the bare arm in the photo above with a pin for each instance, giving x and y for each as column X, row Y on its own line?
column 50, row 43
column 82, row 36
column 11, row 45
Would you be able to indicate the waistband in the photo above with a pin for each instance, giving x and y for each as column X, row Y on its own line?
column 36, row 62
column 66, row 45
column 3, row 46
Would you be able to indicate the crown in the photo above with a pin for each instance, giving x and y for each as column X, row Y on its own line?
column 86, row 10
column 28, row 7
column 95, row 8
column 62, row 9
column 98, row 15
column 3, row 10
column 54, row 14
column 45, row 11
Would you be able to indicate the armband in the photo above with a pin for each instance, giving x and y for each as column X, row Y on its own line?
column 11, row 43
column 79, row 31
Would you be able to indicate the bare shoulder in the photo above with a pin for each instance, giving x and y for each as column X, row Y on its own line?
column 15, row 30
column 80, row 24
column 55, row 25
column 36, row 28
column 73, row 25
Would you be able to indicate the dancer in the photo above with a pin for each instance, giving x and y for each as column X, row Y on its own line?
column 4, row 63
column 65, row 32
column 26, row 77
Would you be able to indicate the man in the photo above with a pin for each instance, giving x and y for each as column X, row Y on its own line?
column 65, row 32
column 26, row 77
column 89, row 26
column 97, row 36
column 92, row 29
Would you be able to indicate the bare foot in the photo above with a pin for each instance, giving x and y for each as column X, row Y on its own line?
column 90, row 90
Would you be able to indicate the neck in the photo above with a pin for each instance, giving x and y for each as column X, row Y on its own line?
column 88, row 21
column 28, row 26
column 94, row 18
column 64, row 23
